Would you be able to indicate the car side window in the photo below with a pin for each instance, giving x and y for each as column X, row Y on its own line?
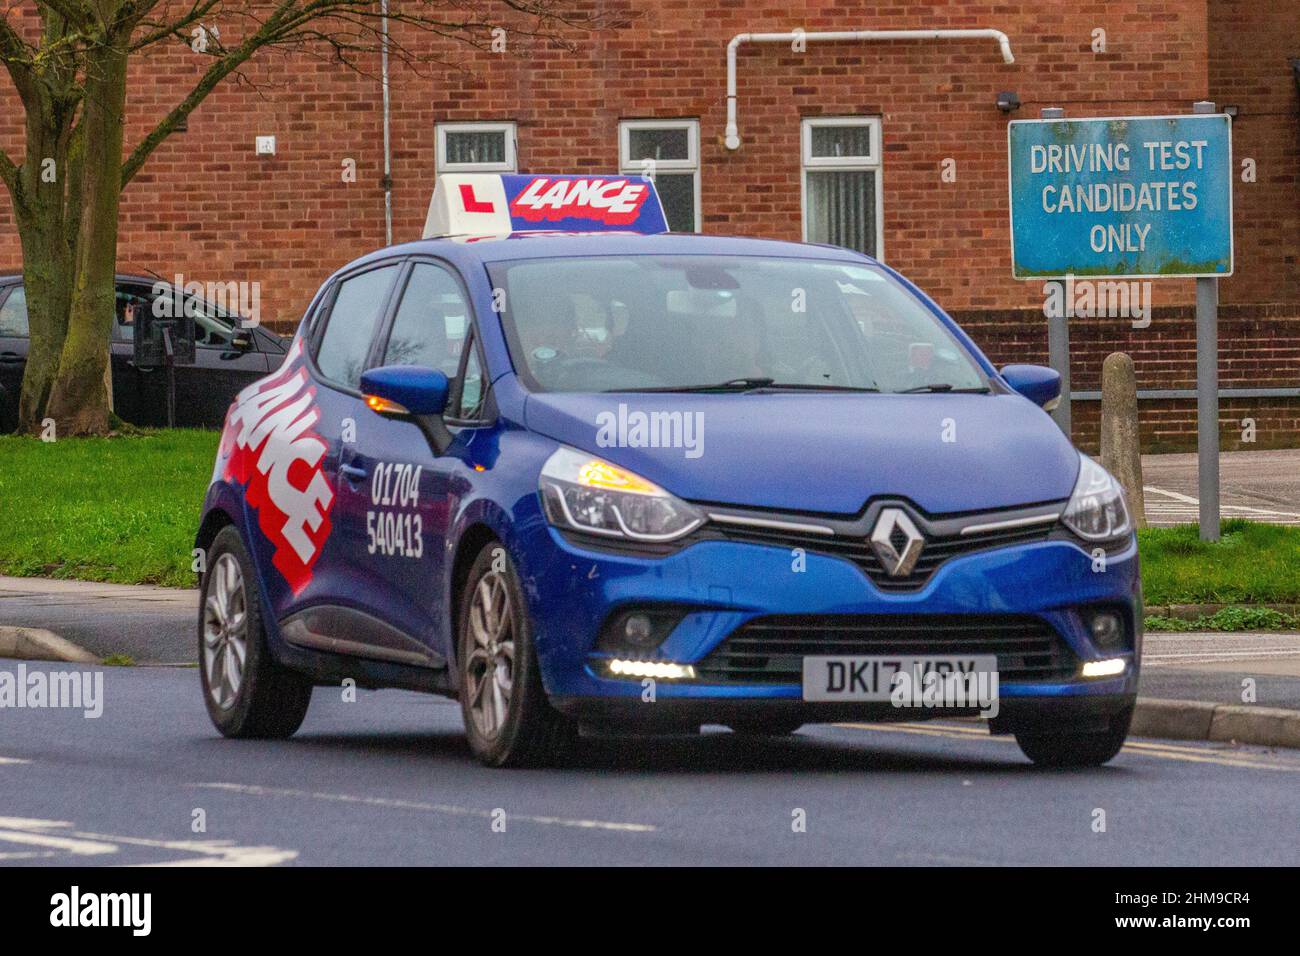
column 350, row 325
column 13, row 314
column 212, row 327
column 431, row 323
column 470, row 406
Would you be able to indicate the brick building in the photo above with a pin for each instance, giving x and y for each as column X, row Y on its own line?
column 653, row 82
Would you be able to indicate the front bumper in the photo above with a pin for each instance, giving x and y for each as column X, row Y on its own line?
column 573, row 590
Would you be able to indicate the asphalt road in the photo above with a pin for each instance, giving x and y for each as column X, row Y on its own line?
column 1256, row 485
column 388, row 780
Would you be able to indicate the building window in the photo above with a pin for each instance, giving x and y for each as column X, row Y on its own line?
column 841, row 183
column 669, row 152
column 476, row 148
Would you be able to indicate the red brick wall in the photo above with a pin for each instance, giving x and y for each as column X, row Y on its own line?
column 208, row 207
column 1251, row 44
column 1261, row 350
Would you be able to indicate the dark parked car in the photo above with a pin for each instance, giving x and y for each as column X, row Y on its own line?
column 227, row 357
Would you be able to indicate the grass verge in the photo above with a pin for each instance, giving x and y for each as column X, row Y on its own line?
column 120, row 509
column 1252, row 563
column 1229, row 619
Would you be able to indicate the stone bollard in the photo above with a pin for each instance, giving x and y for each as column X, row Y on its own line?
column 1121, row 452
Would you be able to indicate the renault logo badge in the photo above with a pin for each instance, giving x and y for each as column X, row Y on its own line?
column 896, row 542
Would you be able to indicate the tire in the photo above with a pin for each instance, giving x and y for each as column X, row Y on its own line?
column 765, row 726
column 508, row 719
column 1077, row 750
column 261, row 699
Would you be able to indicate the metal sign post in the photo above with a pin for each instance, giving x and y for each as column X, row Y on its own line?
column 1207, row 393
column 169, row 360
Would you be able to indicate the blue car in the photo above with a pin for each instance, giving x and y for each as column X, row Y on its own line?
column 587, row 476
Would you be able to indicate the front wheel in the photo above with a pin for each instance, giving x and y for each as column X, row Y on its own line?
column 1077, row 750
column 246, row 692
column 508, row 719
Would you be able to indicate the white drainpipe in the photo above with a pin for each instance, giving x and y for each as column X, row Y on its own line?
column 733, row 133
column 388, row 150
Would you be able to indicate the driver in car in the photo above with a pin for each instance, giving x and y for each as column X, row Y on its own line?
column 551, row 335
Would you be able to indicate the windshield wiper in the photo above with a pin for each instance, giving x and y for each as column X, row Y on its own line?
column 749, row 384
column 820, row 387
column 944, row 387
column 731, row 385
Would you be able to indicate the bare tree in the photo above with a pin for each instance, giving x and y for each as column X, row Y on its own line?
column 68, row 64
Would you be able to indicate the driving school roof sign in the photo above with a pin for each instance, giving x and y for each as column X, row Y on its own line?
column 494, row 205
column 1146, row 197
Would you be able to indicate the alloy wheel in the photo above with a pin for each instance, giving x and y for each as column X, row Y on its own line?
column 490, row 665
column 225, row 631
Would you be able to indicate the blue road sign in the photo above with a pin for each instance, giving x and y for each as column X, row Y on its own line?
column 1145, row 197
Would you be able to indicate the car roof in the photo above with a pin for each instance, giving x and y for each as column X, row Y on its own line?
column 545, row 245
column 7, row 278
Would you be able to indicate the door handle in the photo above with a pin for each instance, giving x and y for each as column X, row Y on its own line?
column 353, row 473
column 11, row 358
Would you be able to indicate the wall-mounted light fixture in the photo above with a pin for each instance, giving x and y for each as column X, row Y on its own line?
column 1008, row 101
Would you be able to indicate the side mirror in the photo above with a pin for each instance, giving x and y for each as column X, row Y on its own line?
column 406, row 390
column 415, row 392
column 1039, row 384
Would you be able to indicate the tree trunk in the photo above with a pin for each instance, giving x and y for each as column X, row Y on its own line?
column 47, row 272
column 79, row 399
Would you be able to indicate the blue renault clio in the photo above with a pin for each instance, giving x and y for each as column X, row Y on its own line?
column 587, row 476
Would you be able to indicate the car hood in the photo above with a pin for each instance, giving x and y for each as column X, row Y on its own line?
column 823, row 452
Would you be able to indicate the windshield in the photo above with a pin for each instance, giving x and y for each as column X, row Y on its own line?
column 673, row 323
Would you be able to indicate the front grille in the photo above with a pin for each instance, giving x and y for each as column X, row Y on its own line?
column 770, row 650
column 857, row 549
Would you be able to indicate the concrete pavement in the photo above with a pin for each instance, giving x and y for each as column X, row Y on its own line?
column 151, row 625
column 1222, row 667
column 1256, row 485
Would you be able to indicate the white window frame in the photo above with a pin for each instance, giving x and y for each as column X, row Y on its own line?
column 510, row 165
column 630, row 167
column 872, row 163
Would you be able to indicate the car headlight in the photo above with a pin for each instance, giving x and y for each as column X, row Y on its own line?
column 1097, row 510
column 586, row 493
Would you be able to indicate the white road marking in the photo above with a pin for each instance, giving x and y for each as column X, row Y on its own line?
column 1170, row 650
column 258, row 791
column 56, row 835
column 1210, row 657
column 30, row 832
column 12, row 760
column 1147, row 748
column 1186, row 499
column 1183, row 506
